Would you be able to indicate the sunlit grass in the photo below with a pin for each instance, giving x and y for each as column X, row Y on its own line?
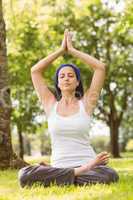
column 123, row 190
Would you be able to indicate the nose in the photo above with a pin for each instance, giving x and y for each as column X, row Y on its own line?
column 66, row 78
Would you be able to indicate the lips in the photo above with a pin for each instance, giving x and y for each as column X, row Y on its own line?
column 66, row 84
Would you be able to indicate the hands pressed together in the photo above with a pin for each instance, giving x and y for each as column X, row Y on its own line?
column 66, row 45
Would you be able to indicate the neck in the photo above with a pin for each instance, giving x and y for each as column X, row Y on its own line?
column 68, row 97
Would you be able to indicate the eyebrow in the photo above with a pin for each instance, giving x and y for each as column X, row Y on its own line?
column 68, row 73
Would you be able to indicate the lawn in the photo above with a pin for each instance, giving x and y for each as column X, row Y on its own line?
column 123, row 190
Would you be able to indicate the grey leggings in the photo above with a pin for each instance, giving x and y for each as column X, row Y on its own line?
column 47, row 175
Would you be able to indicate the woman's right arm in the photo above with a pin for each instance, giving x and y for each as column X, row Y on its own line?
column 43, row 63
column 45, row 96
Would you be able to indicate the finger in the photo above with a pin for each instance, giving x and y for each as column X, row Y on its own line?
column 106, row 160
column 68, row 38
column 69, row 34
column 104, row 154
column 66, row 32
column 105, row 157
column 105, row 163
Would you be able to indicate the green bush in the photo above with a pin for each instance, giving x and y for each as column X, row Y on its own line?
column 100, row 143
column 129, row 146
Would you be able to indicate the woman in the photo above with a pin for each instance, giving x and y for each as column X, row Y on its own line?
column 73, row 159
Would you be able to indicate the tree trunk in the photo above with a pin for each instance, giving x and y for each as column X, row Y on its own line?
column 21, row 145
column 114, row 123
column 114, row 133
column 27, row 149
column 7, row 157
column 42, row 146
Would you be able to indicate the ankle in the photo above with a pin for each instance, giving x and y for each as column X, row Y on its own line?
column 80, row 170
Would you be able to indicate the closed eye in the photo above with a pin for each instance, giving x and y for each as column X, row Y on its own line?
column 69, row 75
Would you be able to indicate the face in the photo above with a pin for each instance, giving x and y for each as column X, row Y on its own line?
column 67, row 80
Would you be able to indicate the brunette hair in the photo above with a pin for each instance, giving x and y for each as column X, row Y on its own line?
column 79, row 92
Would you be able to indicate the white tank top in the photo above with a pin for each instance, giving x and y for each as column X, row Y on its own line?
column 70, row 138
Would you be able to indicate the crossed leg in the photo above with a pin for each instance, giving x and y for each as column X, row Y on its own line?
column 47, row 175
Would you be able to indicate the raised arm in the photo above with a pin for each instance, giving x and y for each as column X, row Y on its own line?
column 92, row 94
column 45, row 96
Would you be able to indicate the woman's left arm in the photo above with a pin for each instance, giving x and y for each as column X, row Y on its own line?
column 92, row 94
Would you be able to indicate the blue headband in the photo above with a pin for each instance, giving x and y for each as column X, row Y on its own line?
column 75, row 68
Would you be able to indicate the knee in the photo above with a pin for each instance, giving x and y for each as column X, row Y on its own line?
column 22, row 177
column 112, row 176
column 115, row 176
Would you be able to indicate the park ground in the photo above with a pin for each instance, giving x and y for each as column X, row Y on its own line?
column 123, row 190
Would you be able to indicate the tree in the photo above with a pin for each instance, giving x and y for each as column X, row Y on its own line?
column 126, row 130
column 114, row 49
column 100, row 32
column 25, row 38
column 25, row 48
column 7, row 156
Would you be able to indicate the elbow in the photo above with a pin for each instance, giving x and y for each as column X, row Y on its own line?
column 32, row 69
column 103, row 66
column 33, row 72
column 100, row 66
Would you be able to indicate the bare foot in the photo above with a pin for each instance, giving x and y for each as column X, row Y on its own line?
column 43, row 163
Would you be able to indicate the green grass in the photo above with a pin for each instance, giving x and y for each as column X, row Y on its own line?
column 123, row 190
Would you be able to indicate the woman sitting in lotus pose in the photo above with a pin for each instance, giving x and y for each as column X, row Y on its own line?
column 73, row 160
